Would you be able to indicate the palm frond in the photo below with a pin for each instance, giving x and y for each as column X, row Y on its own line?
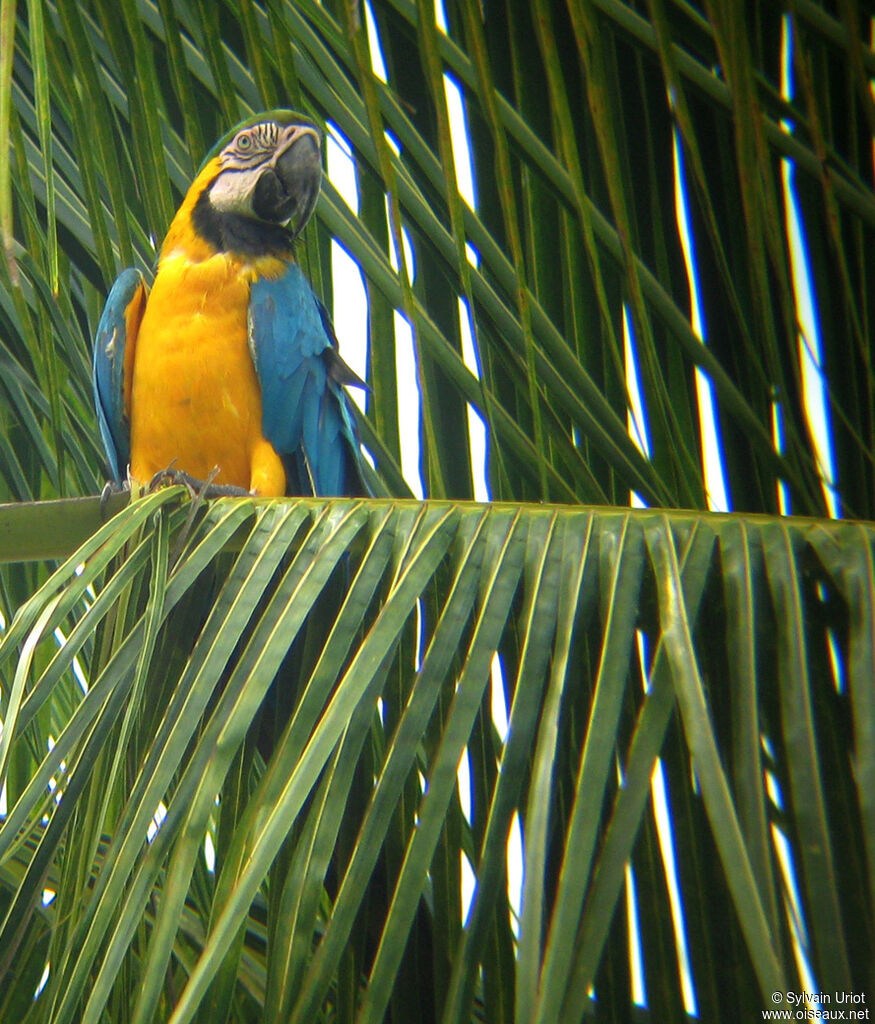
column 189, row 624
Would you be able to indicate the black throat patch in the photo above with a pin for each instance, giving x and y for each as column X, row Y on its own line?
column 232, row 232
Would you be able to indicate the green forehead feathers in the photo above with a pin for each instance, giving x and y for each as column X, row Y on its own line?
column 282, row 117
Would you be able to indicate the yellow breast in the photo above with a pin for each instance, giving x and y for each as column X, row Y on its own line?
column 195, row 398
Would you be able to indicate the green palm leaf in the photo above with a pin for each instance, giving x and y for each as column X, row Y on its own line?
column 554, row 590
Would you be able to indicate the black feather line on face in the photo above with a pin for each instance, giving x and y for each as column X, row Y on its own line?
column 233, row 232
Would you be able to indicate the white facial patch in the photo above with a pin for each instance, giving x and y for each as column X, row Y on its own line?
column 232, row 191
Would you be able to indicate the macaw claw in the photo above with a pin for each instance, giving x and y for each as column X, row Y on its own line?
column 109, row 489
column 197, row 489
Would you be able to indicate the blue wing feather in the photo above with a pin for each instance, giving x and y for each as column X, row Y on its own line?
column 306, row 413
column 108, row 370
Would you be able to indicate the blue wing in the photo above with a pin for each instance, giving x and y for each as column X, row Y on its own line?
column 306, row 414
column 117, row 329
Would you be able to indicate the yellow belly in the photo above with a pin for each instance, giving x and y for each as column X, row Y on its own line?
column 195, row 399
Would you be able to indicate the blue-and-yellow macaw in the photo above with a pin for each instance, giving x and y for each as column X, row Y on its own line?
column 230, row 360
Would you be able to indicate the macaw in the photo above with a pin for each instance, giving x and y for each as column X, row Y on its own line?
column 230, row 360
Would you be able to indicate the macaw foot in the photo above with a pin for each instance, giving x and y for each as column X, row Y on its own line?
column 201, row 489
column 109, row 489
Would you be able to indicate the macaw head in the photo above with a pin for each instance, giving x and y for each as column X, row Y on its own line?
column 259, row 184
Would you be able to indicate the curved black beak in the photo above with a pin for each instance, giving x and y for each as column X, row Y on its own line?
column 288, row 188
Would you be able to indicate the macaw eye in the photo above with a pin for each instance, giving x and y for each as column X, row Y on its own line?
column 244, row 143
